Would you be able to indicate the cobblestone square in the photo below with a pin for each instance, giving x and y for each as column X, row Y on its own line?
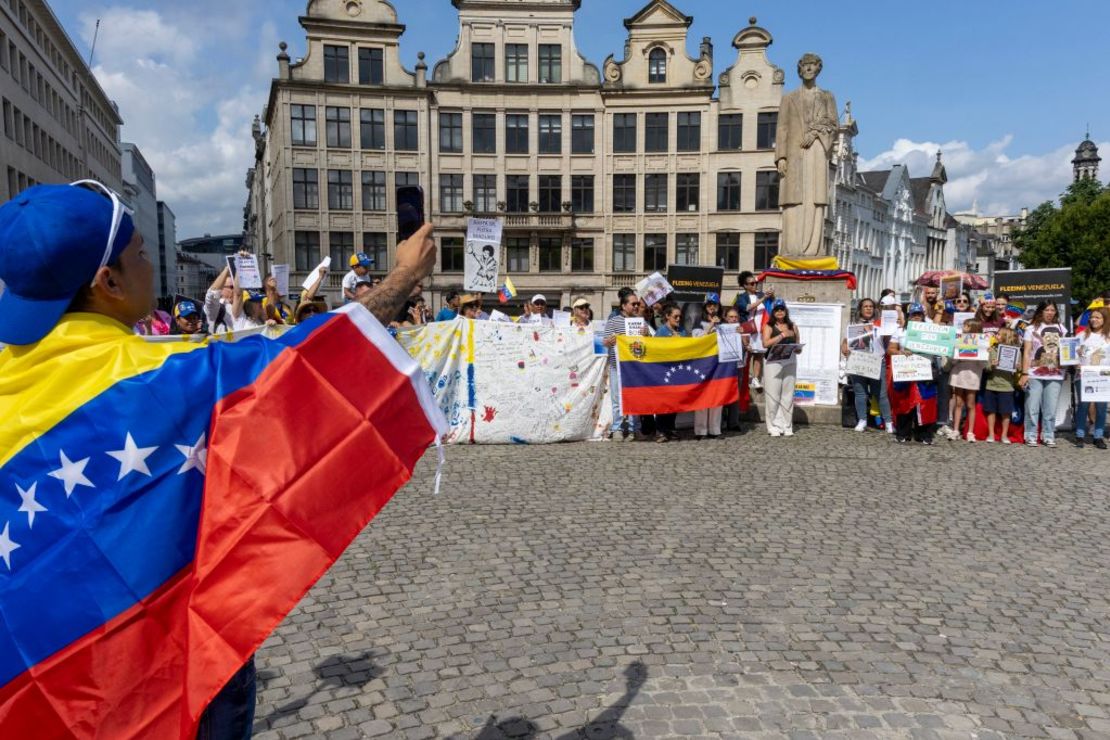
column 830, row 585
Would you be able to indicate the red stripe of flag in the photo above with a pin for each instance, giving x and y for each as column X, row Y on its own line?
column 679, row 398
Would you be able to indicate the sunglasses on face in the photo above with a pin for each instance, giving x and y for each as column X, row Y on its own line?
column 582, row 308
column 751, row 282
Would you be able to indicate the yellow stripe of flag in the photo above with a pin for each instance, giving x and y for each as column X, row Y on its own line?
column 665, row 349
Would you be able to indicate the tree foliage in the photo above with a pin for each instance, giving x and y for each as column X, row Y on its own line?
column 1075, row 234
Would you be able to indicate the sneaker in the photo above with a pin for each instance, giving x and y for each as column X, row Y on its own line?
column 1049, row 443
column 1006, row 441
column 661, row 438
column 788, row 433
column 775, row 433
column 989, row 439
column 942, row 430
column 1099, row 443
column 890, row 427
column 861, row 426
column 1030, row 444
column 1078, row 442
column 927, row 442
column 970, row 436
column 756, row 383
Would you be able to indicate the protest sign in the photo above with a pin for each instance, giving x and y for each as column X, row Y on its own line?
column 246, row 269
column 1069, row 351
column 974, row 347
column 783, row 352
column 861, row 338
column 653, row 288
column 960, row 317
column 1029, row 287
column 821, row 329
column 805, row 393
column 1094, row 384
column 865, row 364
column 482, row 258
column 312, row 276
column 1008, row 357
column 691, row 283
column 280, row 273
column 634, row 326
column 906, row 368
column 930, row 339
column 560, row 319
column 950, row 287
column 730, row 348
column 496, row 315
column 889, row 323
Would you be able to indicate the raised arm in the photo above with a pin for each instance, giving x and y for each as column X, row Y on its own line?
column 416, row 257
column 237, row 299
column 310, row 294
column 219, row 282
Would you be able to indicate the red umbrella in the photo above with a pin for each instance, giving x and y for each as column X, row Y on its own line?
column 971, row 281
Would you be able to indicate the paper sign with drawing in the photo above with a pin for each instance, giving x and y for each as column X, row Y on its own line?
column 481, row 261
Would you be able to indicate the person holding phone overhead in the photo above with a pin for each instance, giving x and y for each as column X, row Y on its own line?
column 779, row 376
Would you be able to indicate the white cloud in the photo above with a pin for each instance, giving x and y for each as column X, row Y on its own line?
column 992, row 179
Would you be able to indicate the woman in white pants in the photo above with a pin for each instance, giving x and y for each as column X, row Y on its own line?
column 779, row 375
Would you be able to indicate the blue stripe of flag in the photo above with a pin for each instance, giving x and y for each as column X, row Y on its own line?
column 679, row 372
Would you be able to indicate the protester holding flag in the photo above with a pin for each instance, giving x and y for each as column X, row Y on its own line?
column 1042, row 375
column 779, row 376
column 1094, row 349
column 913, row 403
column 734, row 410
column 623, row 428
column 747, row 302
column 671, row 327
column 167, row 543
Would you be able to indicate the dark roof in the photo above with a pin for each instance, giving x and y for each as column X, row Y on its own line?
column 950, row 221
column 875, row 180
column 919, row 186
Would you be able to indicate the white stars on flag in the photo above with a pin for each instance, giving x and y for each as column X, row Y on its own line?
column 7, row 547
column 196, row 457
column 132, row 458
column 71, row 474
column 29, row 506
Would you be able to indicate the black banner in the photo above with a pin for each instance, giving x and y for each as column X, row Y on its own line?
column 691, row 283
column 1032, row 286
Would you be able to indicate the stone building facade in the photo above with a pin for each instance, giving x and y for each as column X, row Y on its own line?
column 600, row 174
column 58, row 123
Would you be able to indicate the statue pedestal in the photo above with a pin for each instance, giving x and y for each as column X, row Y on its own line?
column 832, row 291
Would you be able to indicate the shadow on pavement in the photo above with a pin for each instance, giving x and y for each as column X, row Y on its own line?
column 606, row 726
column 332, row 673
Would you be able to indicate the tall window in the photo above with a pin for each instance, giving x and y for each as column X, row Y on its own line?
column 404, row 131
column 373, row 191
column 516, row 253
column 728, row 191
column 689, row 132
column 624, row 132
column 341, row 190
column 481, row 62
column 551, row 63
column 371, row 132
column 303, row 124
column 766, row 248
column 582, row 255
column 338, row 122
column 451, row 254
column 730, row 129
column 655, row 193
column 306, row 188
column 657, row 66
column 516, row 62
column 516, row 193
column 341, row 245
column 450, row 193
column 551, row 133
column 655, row 132
column 306, row 250
column 624, row 252
column 655, row 252
column 687, row 191
column 686, row 249
column 337, row 64
column 766, row 190
column 767, row 129
column 516, row 133
column 370, row 67
column 624, row 193
column 551, row 254
column 728, row 251
column 483, row 130
column 551, row 193
column 373, row 243
column 485, row 193
column 450, row 133
column 582, row 193
column 582, row 133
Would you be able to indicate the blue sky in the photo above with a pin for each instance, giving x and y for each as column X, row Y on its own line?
column 1004, row 87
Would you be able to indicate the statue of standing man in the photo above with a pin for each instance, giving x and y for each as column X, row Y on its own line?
column 807, row 126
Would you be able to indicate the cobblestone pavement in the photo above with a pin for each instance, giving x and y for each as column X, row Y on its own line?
column 829, row 585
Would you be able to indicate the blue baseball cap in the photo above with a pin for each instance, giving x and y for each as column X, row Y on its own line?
column 185, row 309
column 53, row 239
column 253, row 295
column 713, row 298
column 916, row 308
column 361, row 259
column 779, row 303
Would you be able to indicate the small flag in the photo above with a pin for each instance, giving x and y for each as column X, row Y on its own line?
column 1084, row 319
column 508, row 290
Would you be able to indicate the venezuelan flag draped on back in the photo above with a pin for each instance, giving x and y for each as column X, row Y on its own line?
column 162, row 513
column 664, row 375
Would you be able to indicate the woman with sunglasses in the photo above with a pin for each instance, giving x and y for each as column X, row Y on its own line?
column 746, row 302
column 779, row 375
column 581, row 316
column 671, row 327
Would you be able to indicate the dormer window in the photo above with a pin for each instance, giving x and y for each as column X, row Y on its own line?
column 481, row 62
column 657, row 66
column 551, row 64
column 371, row 67
column 337, row 66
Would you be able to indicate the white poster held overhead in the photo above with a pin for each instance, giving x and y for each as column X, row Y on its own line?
column 324, row 265
column 483, row 255
column 821, row 331
column 246, row 269
column 888, row 324
column 653, row 288
column 865, row 365
column 280, row 273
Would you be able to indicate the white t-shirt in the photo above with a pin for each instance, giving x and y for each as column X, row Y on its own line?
column 350, row 279
column 1094, row 349
column 244, row 322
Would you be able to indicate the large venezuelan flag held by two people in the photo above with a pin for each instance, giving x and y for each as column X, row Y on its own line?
column 160, row 515
column 665, row 375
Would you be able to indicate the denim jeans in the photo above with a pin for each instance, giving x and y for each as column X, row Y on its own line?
column 862, row 391
column 230, row 716
column 1081, row 413
column 1041, row 397
column 629, row 424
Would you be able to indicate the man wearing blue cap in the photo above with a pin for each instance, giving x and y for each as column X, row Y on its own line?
column 186, row 318
column 74, row 266
column 360, row 266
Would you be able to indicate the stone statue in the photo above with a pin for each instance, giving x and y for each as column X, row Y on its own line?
column 807, row 128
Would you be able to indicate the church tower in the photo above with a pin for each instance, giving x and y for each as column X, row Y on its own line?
column 1085, row 164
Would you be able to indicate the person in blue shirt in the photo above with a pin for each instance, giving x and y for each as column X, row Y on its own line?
column 671, row 327
column 451, row 309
